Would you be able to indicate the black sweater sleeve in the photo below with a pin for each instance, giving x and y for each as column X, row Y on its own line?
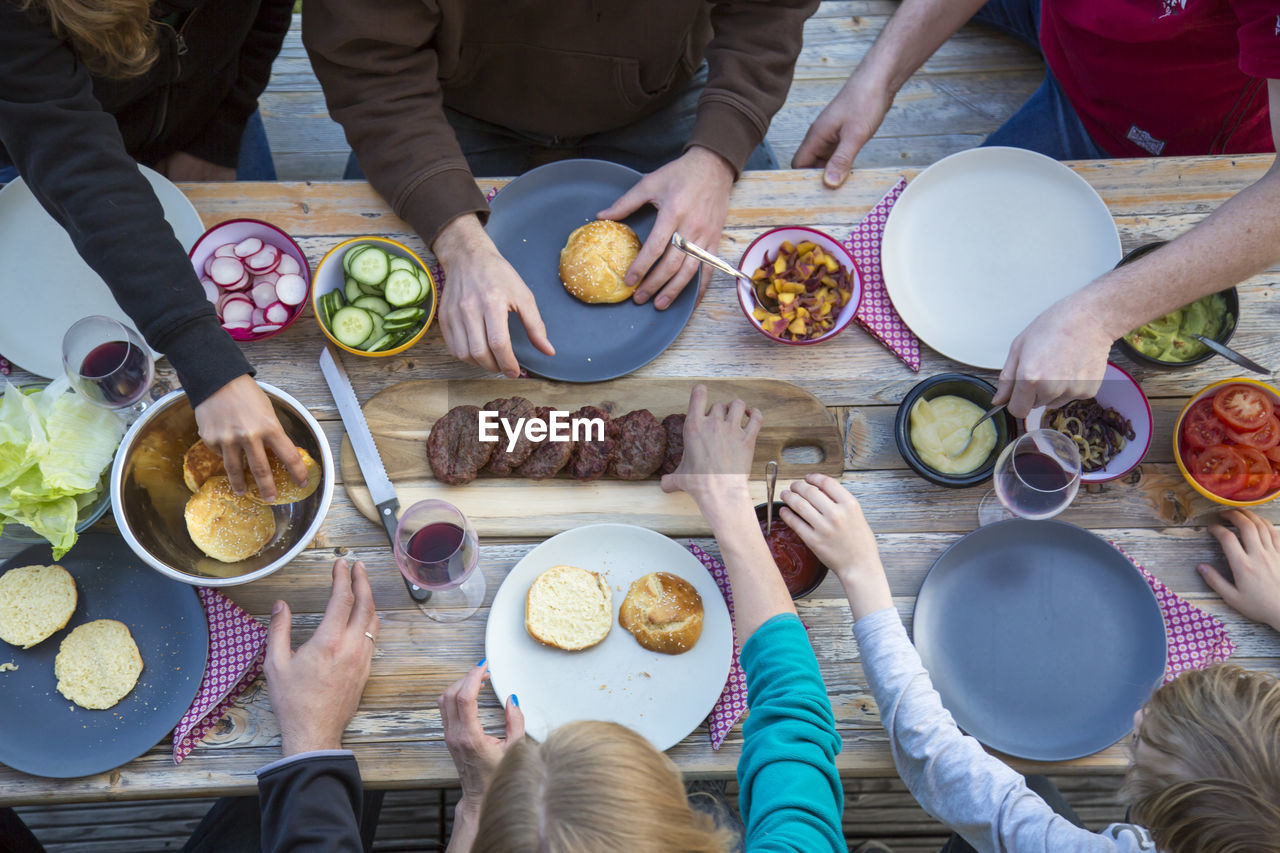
column 70, row 153
column 219, row 142
column 312, row 805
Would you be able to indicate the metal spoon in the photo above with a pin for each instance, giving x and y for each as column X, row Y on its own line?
column 990, row 413
column 770, row 484
column 1231, row 355
column 706, row 257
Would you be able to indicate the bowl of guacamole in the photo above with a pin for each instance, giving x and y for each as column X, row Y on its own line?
column 1167, row 341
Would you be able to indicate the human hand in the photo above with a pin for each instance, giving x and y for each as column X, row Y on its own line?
column 480, row 291
column 691, row 194
column 830, row 521
column 1061, row 356
column 475, row 754
column 181, row 166
column 842, row 128
column 316, row 689
column 718, row 449
column 237, row 421
column 1253, row 553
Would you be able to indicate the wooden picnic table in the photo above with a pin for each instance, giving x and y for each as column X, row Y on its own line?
column 396, row 734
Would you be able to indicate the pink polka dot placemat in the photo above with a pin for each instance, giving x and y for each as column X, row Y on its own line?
column 237, row 642
column 876, row 313
column 732, row 703
column 1195, row 639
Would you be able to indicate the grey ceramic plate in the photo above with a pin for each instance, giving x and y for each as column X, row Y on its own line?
column 530, row 221
column 45, row 734
column 1041, row 638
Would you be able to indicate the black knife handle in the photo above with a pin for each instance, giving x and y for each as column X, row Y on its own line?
column 387, row 514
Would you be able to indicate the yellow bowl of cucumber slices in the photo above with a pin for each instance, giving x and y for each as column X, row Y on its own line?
column 373, row 296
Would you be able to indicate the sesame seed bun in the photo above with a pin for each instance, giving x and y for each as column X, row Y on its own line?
column 596, row 258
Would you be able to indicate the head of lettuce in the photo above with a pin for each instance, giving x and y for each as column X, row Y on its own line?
column 54, row 447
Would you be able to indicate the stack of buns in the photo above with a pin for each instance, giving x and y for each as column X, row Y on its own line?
column 230, row 527
column 595, row 260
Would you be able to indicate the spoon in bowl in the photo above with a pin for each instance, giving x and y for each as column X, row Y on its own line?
column 1231, row 355
column 770, row 484
column 972, row 430
column 707, row 258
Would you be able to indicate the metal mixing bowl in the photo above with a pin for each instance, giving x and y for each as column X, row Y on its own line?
column 148, row 495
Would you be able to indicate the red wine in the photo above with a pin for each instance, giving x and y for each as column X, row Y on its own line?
column 116, row 373
column 438, row 554
column 1034, row 485
column 1040, row 471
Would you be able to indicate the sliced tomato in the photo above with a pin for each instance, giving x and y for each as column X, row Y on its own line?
column 1221, row 470
column 1264, row 437
column 1275, row 477
column 1243, row 407
column 1273, row 454
column 1257, row 477
column 1201, row 427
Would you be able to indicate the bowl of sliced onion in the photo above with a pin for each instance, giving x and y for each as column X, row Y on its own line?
column 254, row 274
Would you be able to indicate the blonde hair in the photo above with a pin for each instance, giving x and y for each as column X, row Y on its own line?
column 113, row 38
column 591, row 786
column 1209, row 778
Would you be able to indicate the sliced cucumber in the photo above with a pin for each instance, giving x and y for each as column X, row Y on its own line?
column 423, row 279
column 376, row 333
column 411, row 314
column 403, row 289
column 404, row 336
column 323, row 312
column 350, row 255
column 372, row 303
column 352, row 289
column 370, row 266
column 334, row 300
column 400, row 325
column 399, row 263
column 351, row 325
column 371, row 289
column 384, row 342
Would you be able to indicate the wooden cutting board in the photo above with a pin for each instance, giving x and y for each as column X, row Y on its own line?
column 799, row 432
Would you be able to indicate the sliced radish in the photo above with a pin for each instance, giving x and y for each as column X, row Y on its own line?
column 263, row 294
column 288, row 265
column 238, row 311
column 236, row 327
column 264, row 261
column 227, row 299
column 259, row 317
column 292, row 289
column 266, row 278
column 226, row 272
column 248, row 246
column 277, row 312
column 266, row 327
column 226, row 250
column 207, row 263
column 211, row 291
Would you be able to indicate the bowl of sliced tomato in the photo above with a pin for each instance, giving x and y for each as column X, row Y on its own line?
column 1227, row 442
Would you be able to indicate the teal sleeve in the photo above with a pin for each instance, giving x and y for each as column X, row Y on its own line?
column 791, row 797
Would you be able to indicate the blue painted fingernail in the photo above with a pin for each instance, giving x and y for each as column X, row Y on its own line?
column 515, row 700
column 482, row 662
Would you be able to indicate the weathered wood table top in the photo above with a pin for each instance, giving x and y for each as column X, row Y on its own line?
column 396, row 734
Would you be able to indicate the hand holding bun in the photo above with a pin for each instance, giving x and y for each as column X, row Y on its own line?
column 594, row 263
column 663, row 612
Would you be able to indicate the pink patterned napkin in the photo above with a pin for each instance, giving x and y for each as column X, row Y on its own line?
column 733, row 700
column 236, row 645
column 876, row 313
column 1195, row 638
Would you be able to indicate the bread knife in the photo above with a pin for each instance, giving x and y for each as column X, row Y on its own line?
column 381, row 492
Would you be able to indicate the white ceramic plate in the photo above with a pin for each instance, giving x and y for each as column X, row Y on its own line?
column 663, row 697
column 984, row 240
column 43, row 273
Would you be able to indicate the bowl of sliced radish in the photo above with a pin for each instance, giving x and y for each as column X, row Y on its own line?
column 373, row 296
column 254, row 274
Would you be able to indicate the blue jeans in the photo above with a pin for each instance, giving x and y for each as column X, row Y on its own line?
column 493, row 151
column 1047, row 122
column 256, row 163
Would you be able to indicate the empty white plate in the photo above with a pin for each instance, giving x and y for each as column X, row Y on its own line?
column 984, row 240
column 47, row 284
column 663, row 697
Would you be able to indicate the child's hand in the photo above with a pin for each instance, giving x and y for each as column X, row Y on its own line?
column 718, row 447
column 1253, row 553
column 830, row 522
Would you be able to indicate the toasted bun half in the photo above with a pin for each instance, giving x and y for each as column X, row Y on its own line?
column 595, row 260
column 226, row 526
column 203, row 462
column 663, row 612
column 35, row 603
column 200, row 463
column 569, row 608
column 97, row 664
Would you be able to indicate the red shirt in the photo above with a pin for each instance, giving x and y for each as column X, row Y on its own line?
column 1152, row 77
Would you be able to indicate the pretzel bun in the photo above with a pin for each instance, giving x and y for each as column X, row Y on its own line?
column 594, row 261
column 663, row 612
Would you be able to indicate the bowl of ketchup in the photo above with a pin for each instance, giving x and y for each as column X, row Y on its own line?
column 800, row 567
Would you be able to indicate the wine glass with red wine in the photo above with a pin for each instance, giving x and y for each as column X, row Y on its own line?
column 1037, row 476
column 109, row 364
column 436, row 548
